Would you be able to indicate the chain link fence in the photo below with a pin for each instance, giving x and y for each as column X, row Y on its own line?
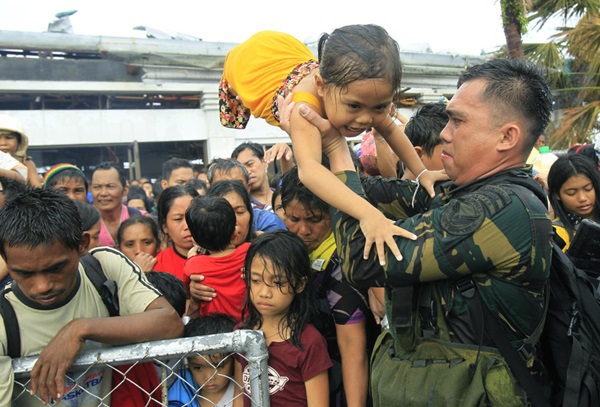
column 177, row 372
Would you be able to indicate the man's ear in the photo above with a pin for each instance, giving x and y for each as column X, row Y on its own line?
column 164, row 183
column 84, row 245
column 419, row 151
column 320, row 85
column 512, row 136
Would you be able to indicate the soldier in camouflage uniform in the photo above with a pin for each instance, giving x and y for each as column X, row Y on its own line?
column 482, row 224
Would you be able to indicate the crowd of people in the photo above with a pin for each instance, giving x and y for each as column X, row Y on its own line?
column 358, row 282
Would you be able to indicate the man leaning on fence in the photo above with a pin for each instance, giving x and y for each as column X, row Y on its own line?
column 485, row 236
column 59, row 310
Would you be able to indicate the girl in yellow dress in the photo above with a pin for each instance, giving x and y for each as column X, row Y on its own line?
column 353, row 85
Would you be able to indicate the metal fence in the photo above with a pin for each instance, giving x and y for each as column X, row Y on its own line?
column 172, row 360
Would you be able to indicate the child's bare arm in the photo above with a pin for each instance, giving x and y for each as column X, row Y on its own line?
column 377, row 229
column 317, row 390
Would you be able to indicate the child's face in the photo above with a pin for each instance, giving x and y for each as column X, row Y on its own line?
column 9, row 143
column 357, row 107
column 270, row 293
column 211, row 373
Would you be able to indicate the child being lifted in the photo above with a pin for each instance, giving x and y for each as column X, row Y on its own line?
column 353, row 85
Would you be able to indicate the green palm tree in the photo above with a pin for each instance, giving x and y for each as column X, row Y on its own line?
column 572, row 60
column 514, row 22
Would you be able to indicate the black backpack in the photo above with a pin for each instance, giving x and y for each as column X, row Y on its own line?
column 107, row 289
column 570, row 338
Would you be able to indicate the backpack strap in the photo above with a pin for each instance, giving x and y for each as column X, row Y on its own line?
column 481, row 315
column 11, row 326
column 107, row 289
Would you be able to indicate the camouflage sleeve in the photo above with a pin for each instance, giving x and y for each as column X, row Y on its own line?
column 395, row 198
column 485, row 231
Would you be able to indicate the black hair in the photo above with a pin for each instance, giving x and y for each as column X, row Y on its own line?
column 107, row 165
column 157, row 189
column 65, row 175
column 134, row 220
column 565, row 167
column 137, row 192
column 38, row 216
column 171, row 287
column 11, row 186
column 276, row 193
column 288, row 256
column 211, row 221
column 198, row 184
column 424, row 127
column 276, row 180
column 358, row 52
column 585, row 149
column 172, row 164
column 210, row 325
column 293, row 189
column 256, row 148
column 89, row 214
column 225, row 166
column 515, row 87
column 168, row 196
column 223, row 187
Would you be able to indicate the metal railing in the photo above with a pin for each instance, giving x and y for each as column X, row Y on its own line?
column 170, row 359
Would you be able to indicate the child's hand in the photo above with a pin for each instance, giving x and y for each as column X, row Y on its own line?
column 429, row 178
column 380, row 230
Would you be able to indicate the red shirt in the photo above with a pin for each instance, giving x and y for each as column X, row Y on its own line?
column 290, row 368
column 224, row 274
column 170, row 261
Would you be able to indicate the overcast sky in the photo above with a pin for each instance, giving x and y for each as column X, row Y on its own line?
column 454, row 26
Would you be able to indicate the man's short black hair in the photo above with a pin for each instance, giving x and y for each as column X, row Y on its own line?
column 293, row 189
column 173, row 164
column 225, row 166
column 248, row 145
column 107, row 165
column 424, row 127
column 37, row 217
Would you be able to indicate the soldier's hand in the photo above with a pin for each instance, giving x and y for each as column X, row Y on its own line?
column 380, row 231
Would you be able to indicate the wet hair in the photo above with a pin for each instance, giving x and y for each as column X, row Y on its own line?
column 223, row 187
column 256, row 148
column 38, row 216
column 11, row 186
column 168, row 196
column 89, row 214
column 107, row 165
column 293, row 189
column 514, row 87
column 173, row 164
column 226, row 166
column 134, row 220
column 565, row 167
column 171, row 287
column 210, row 325
column 424, row 127
column 211, row 221
column 357, row 52
column 289, row 257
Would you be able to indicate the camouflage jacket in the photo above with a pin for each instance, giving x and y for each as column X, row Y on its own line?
column 482, row 229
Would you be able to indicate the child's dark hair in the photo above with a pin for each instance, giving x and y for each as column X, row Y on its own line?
column 211, row 221
column 288, row 255
column 210, row 325
column 171, row 287
column 358, row 52
column 226, row 186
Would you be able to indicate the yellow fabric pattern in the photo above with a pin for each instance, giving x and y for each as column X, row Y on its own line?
column 256, row 68
column 323, row 253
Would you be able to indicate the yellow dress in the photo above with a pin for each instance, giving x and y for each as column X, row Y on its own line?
column 256, row 69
